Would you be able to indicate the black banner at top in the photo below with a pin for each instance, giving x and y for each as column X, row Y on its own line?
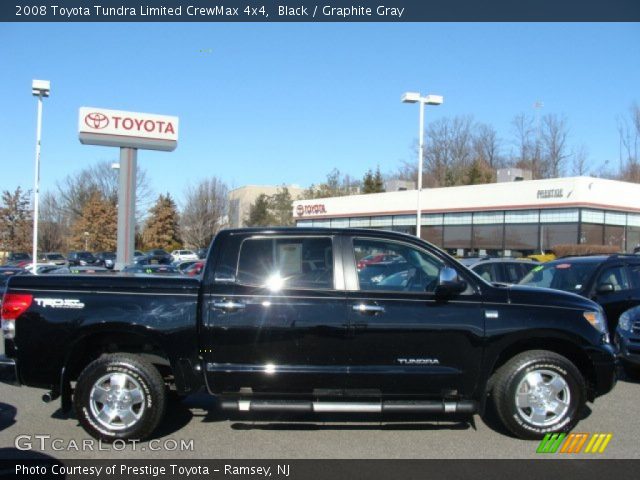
column 319, row 11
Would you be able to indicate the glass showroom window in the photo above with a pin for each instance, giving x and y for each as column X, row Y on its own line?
column 432, row 234
column 558, row 234
column 488, row 238
column 521, row 239
column 614, row 236
column 591, row 234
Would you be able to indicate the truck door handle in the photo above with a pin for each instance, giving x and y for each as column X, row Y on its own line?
column 368, row 309
column 229, row 305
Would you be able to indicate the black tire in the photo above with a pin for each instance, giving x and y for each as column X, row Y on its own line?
column 140, row 380
column 550, row 371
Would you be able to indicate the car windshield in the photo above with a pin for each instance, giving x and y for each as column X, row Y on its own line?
column 85, row 255
column 20, row 256
column 54, row 256
column 567, row 276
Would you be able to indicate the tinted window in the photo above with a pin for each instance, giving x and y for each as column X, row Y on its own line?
column 570, row 277
column 410, row 270
column 616, row 276
column 634, row 270
column 279, row 263
column 488, row 271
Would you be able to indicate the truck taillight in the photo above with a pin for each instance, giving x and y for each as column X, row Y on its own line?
column 13, row 305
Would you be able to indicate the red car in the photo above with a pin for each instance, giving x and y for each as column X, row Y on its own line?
column 194, row 270
column 378, row 258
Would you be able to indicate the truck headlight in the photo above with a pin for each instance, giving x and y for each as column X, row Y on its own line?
column 597, row 320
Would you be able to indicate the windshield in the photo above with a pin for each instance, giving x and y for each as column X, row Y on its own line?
column 570, row 277
column 54, row 256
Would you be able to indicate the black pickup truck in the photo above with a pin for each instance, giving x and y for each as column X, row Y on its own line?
column 290, row 320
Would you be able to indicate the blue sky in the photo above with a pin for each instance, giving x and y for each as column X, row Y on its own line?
column 286, row 103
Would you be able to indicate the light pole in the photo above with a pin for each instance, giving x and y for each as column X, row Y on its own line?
column 414, row 97
column 40, row 89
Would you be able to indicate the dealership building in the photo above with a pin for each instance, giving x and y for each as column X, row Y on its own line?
column 510, row 218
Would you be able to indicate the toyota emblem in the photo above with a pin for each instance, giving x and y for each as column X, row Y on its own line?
column 300, row 209
column 96, row 120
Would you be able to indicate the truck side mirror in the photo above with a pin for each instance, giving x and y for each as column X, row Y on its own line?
column 449, row 283
column 605, row 288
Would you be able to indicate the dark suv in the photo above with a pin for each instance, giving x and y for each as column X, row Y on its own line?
column 613, row 281
column 81, row 259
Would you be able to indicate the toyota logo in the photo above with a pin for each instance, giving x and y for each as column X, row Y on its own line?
column 96, row 120
column 299, row 209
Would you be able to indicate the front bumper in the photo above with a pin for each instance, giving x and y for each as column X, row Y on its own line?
column 605, row 366
column 629, row 347
column 8, row 371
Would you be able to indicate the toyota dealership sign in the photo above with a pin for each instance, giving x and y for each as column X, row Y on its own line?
column 114, row 128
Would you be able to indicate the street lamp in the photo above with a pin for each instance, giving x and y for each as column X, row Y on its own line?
column 40, row 89
column 414, row 97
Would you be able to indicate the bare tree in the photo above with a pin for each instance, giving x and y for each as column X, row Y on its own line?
column 526, row 142
column 553, row 140
column 53, row 230
column 205, row 212
column 580, row 161
column 487, row 146
column 76, row 189
column 449, row 151
column 629, row 132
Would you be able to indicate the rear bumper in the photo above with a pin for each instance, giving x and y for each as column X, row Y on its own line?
column 8, row 371
column 605, row 363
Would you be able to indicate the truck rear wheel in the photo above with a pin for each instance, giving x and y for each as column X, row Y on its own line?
column 539, row 392
column 120, row 397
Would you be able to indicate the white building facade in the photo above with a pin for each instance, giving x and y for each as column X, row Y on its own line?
column 514, row 218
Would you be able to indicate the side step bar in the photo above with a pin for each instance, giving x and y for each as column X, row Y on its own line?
column 389, row 406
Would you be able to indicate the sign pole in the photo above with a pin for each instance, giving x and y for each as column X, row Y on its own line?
column 126, row 207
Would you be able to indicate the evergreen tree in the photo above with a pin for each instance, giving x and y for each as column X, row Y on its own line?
column 281, row 207
column 259, row 213
column 373, row 182
column 96, row 227
column 161, row 228
column 15, row 222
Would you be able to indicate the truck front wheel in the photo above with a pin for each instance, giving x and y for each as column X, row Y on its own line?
column 539, row 392
column 120, row 397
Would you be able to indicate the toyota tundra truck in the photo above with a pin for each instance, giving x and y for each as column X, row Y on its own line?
column 289, row 320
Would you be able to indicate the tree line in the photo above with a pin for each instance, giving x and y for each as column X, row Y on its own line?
column 81, row 211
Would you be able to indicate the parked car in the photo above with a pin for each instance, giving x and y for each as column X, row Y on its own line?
column 194, row 270
column 5, row 274
column 106, row 259
column 265, row 331
column 152, row 269
column 81, row 259
column 375, row 258
column 182, row 255
column 154, row 257
column 613, row 281
column 627, row 340
column 52, row 258
column 17, row 259
column 501, row 270
column 182, row 266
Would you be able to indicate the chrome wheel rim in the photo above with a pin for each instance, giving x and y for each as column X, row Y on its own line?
column 117, row 401
column 543, row 397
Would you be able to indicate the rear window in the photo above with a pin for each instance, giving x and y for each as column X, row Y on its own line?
column 278, row 263
column 54, row 256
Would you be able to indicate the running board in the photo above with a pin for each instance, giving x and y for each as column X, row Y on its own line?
column 390, row 406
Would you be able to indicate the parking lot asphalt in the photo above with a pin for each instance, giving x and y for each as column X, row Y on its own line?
column 195, row 428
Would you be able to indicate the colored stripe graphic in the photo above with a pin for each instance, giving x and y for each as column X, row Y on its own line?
column 551, row 442
column 574, row 443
